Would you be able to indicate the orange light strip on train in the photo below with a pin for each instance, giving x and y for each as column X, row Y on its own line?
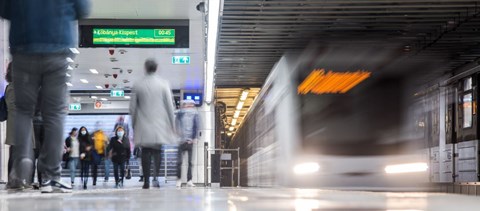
column 319, row 82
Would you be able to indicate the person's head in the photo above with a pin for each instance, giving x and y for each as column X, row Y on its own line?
column 8, row 76
column 121, row 119
column 188, row 103
column 98, row 125
column 151, row 66
column 120, row 132
column 83, row 131
column 73, row 132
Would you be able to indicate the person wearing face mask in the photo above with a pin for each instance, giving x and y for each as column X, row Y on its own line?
column 119, row 151
column 85, row 154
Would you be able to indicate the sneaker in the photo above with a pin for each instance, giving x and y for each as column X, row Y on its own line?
column 190, row 184
column 179, row 183
column 141, row 179
column 146, row 185
column 52, row 186
column 156, row 184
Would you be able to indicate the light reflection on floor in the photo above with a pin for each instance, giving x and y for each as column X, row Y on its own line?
column 233, row 199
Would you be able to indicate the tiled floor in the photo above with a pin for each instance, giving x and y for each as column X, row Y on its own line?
column 132, row 197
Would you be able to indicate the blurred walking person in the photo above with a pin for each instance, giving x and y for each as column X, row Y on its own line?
column 100, row 142
column 151, row 107
column 119, row 151
column 85, row 155
column 187, row 125
column 41, row 33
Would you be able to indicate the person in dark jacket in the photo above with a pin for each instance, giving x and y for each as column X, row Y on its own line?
column 41, row 36
column 119, row 151
column 85, row 154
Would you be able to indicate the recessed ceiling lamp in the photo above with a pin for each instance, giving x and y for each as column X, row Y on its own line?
column 68, row 75
column 84, row 81
column 232, row 128
column 99, row 87
column 240, row 105
column 74, row 50
column 70, row 60
column 94, row 97
column 127, row 97
column 93, row 71
column 69, row 67
column 234, row 122
column 69, row 84
column 104, row 99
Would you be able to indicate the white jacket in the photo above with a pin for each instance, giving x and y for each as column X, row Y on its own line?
column 151, row 107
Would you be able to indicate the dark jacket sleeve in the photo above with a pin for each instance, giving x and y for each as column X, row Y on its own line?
column 126, row 143
column 82, row 8
column 68, row 142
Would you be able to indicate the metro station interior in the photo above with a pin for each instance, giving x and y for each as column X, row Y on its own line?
column 304, row 104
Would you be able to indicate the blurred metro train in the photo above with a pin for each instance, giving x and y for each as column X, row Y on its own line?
column 347, row 117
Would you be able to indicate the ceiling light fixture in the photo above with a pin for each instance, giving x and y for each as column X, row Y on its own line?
column 234, row 122
column 212, row 38
column 69, row 67
column 127, row 97
column 93, row 71
column 244, row 94
column 84, row 81
column 69, row 84
column 70, row 60
column 232, row 128
column 240, row 105
column 94, row 97
column 104, row 99
column 236, row 114
column 74, row 50
column 68, row 75
column 99, row 87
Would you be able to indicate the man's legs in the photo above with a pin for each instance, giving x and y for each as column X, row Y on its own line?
column 54, row 95
column 27, row 80
column 189, row 148
column 146, row 162
column 157, row 155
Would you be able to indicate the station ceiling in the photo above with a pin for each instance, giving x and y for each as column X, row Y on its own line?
column 254, row 34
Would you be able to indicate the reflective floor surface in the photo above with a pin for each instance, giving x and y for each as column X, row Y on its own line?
column 132, row 197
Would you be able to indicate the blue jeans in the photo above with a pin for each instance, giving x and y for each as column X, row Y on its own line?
column 40, row 75
column 108, row 164
column 72, row 164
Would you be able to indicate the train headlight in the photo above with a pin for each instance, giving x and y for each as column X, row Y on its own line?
column 306, row 168
column 406, row 168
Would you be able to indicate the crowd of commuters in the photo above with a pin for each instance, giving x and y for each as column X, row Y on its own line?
column 41, row 36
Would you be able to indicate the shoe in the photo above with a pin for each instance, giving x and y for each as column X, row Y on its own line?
column 141, row 179
column 179, row 183
column 52, row 186
column 85, row 186
column 146, row 185
column 106, row 180
column 18, row 180
column 94, row 184
column 156, row 184
column 190, row 184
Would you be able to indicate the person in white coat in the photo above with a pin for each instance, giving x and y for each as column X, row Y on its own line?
column 151, row 108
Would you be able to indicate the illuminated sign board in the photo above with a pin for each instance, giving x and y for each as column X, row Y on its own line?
column 140, row 34
column 75, row 107
column 133, row 36
column 180, row 59
column 319, row 82
column 117, row 93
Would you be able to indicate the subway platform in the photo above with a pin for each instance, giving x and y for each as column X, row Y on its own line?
column 105, row 197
